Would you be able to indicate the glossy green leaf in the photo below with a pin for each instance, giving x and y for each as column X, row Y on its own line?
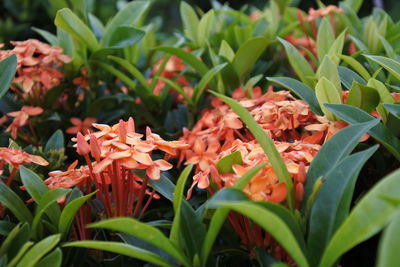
column 381, row 133
column 123, row 249
column 55, row 142
column 164, row 186
column 220, row 214
column 37, row 189
column 367, row 218
column 224, row 165
column 71, row 23
column 388, row 253
column 354, row 4
column 247, row 55
column 205, row 80
column 130, row 14
column 124, row 36
column 394, row 109
column 363, row 97
column 48, row 36
column 68, row 213
column 325, row 38
column 347, row 77
column 299, row 64
column 33, row 256
column 329, row 70
column 273, row 224
column 20, row 254
column 134, row 71
column 335, row 149
column 53, row 259
column 371, row 36
column 7, row 73
column 301, row 90
column 326, row 92
column 356, row 66
column 226, row 51
column 177, row 202
column 15, row 204
column 337, row 47
column 389, row 64
column 8, row 241
column 187, row 57
column 266, row 143
column 190, row 21
column 144, row 232
column 327, row 205
column 205, row 27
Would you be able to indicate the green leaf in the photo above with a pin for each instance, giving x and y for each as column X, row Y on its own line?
column 301, row 90
column 53, row 259
column 299, row 64
column 177, row 202
column 68, row 213
column 11, row 237
column 335, row 149
column 354, row 4
column 273, row 224
column 45, row 204
column 130, row 14
column 55, row 142
column 177, row 87
column 8, row 67
column 326, row 208
column 381, row 133
column 144, row 232
column 134, row 71
column 205, row 80
column 356, row 66
column 226, row 51
column 6, row 227
column 204, row 28
column 337, row 47
column 48, row 36
column 363, row 97
column 163, row 186
column 33, row 256
column 123, row 249
column 389, row 64
column 20, row 254
column 37, row 189
column 388, row 254
column 327, row 93
column 224, row 165
column 190, row 21
column 329, row 70
column 71, row 23
column 266, row 143
column 12, row 201
column 325, row 38
column 347, row 77
column 124, row 36
column 394, row 109
column 187, row 57
column 367, row 218
column 247, row 55
column 220, row 214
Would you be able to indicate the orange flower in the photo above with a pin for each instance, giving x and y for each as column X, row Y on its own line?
column 16, row 157
column 323, row 12
column 21, row 118
column 84, row 126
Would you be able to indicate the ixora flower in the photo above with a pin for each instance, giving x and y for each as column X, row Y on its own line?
column 16, row 158
column 113, row 156
column 37, row 68
column 83, row 127
column 21, row 118
column 323, row 12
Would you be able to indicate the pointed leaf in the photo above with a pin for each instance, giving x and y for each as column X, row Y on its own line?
column 327, row 93
column 14, row 203
column 7, row 73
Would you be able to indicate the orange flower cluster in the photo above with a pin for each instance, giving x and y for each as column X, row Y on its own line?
column 323, row 12
column 220, row 132
column 21, row 118
column 16, row 158
column 36, row 69
column 111, row 154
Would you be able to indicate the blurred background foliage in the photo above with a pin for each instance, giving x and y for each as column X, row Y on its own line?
column 17, row 17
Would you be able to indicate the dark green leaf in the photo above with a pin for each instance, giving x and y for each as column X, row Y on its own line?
column 12, row 201
column 124, row 36
column 7, row 73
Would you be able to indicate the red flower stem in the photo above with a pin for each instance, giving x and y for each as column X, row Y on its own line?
column 126, row 191
column 147, row 204
column 114, row 189
column 119, row 183
column 258, row 235
column 248, row 230
column 11, row 176
column 141, row 196
column 233, row 220
column 132, row 194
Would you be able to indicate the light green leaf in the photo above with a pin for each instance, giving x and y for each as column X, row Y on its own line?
column 190, row 21
column 123, row 249
column 337, row 47
column 326, row 92
column 71, row 23
column 329, row 70
column 34, row 255
column 224, row 165
column 325, row 38
column 124, row 36
column 205, row 27
column 389, row 64
column 299, row 64
column 388, row 253
column 394, row 109
column 226, row 51
column 356, row 66
column 367, row 218
column 48, row 36
column 205, row 80
column 363, row 97
column 53, row 259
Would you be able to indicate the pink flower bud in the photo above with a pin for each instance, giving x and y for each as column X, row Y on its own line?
column 83, row 147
